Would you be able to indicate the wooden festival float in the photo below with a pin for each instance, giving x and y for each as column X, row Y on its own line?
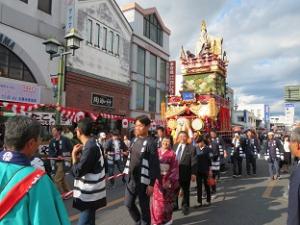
column 202, row 104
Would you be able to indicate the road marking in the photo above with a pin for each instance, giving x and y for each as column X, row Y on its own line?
column 110, row 204
column 269, row 189
column 197, row 222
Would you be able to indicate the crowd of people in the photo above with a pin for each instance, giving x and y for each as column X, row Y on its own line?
column 156, row 170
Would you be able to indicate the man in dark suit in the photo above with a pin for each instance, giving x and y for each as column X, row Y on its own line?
column 203, row 169
column 294, row 196
column 186, row 157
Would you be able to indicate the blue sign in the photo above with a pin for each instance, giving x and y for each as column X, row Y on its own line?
column 267, row 113
column 245, row 116
column 186, row 96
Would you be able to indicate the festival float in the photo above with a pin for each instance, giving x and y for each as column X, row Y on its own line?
column 202, row 104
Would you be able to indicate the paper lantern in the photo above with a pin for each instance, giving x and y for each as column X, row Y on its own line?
column 197, row 124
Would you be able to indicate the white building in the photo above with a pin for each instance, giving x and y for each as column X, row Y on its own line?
column 261, row 112
column 98, row 76
column 150, row 56
column 244, row 118
column 25, row 67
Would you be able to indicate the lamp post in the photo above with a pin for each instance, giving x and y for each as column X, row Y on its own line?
column 56, row 49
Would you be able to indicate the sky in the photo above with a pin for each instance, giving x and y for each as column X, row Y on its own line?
column 261, row 38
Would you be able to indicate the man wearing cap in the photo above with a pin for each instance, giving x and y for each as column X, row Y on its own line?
column 273, row 154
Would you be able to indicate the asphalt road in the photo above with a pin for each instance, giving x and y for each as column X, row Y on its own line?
column 243, row 201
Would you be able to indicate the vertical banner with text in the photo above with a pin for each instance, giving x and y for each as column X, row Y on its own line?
column 172, row 77
column 70, row 19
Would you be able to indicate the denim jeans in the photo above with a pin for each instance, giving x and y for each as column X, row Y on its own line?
column 111, row 169
column 273, row 167
column 87, row 217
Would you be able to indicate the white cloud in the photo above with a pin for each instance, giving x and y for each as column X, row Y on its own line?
column 277, row 107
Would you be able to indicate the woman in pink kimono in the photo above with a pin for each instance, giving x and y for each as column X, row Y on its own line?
column 166, row 188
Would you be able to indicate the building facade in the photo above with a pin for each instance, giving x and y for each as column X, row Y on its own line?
column 98, row 76
column 261, row 112
column 244, row 118
column 149, row 64
column 25, row 67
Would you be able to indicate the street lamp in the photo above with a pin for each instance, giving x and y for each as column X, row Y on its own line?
column 56, row 49
column 52, row 46
column 73, row 40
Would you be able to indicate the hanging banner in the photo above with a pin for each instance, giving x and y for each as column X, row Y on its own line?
column 19, row 92
column 172, row 77
column 70, row 6
column 48, row 118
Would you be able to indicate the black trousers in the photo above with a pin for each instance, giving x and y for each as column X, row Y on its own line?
column 185, row 186
column 216, row 175
column 237, row 162
column 250, row 162
column 140, row 217
column 202, row 179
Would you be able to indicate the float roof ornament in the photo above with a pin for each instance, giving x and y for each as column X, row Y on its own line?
column 209, row 55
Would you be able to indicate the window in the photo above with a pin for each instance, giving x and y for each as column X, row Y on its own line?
column 12, row 67
column 25, row 1
column 104, row 46
column 89, row 31
column 153, row 66
column 98, row 37
column 240, row 119
column 117, row 51
column 152, row 99
column 140, row 95
column 152, row 29
column 110, row 41
column 163, row 70
column 162, row 97
column 45, row 6
column 141, row 61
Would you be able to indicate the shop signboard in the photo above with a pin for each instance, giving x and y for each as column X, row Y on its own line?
column 102, row 100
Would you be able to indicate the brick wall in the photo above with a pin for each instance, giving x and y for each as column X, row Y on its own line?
column 79, row 88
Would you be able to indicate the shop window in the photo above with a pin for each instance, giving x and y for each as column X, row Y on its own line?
column 152, row 99
column 140, row 96
column 163, row 70
column 153, row 66
column 11, row 66
column 152, row 29
column 45, row 6
column 141, row 61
